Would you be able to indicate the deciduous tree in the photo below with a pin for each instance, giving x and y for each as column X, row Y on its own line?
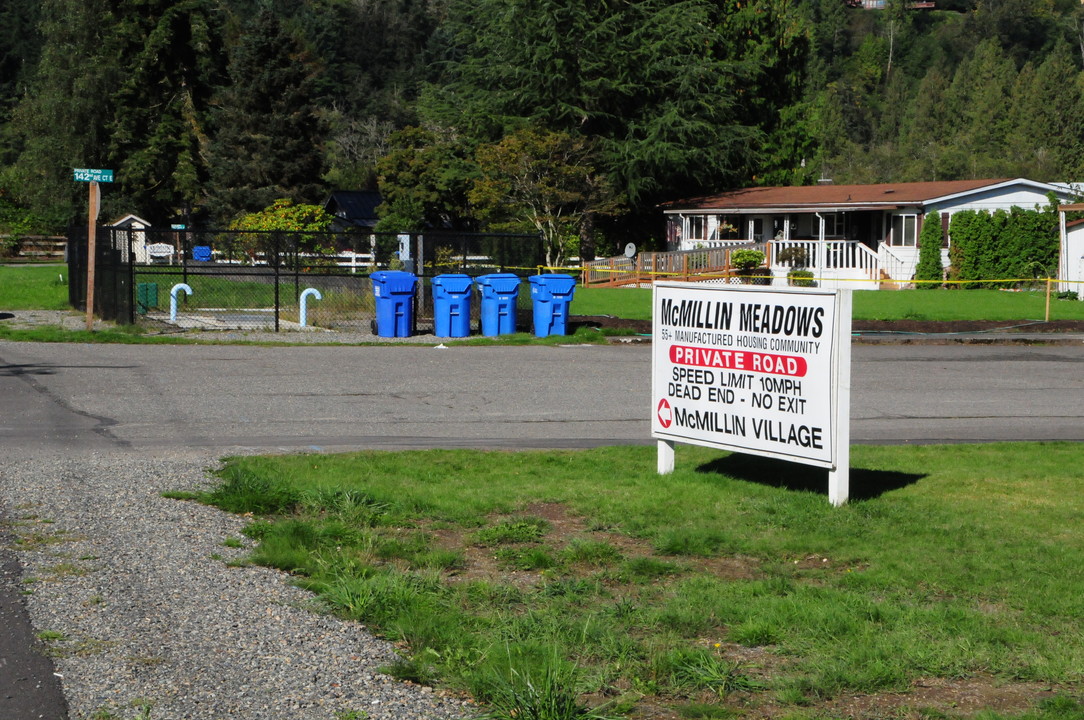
column 544, row 181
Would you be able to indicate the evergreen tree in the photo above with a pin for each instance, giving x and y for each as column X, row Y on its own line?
column 20, row 47
column 929, row 269
column 925, row 129
column 268, row 141
column 977, row 103
column 644, row 80
column 159, row 136
column 62, row 121
column 1044, row 141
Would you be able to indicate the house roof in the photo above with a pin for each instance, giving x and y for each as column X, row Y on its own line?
column 357, row 207
column 129, row 220
column 811, row 198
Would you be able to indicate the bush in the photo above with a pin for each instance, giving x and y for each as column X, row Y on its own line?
column 801, row 278
column 929, row 269
column 746, row 259
column 795, row 257
column 1018, row 245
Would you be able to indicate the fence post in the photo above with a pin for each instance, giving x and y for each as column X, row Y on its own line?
column 277, row 239
column 1048, row 282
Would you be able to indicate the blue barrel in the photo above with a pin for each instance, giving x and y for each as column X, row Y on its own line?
column 551, row 295
column 499, row 293
column 451, row 305
column 393, row 291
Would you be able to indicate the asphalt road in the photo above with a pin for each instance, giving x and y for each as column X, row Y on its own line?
column 73, row 398
column 66, row 399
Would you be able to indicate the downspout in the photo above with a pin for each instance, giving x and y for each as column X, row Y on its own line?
column 173, row 299
column 309, row 292
column 818, row 257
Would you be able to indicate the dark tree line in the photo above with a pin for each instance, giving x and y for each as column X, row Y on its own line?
column 208, row 109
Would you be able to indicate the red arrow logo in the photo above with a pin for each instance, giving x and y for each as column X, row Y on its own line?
column 666, row 416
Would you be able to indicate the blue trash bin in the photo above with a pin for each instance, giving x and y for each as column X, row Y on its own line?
column 499, row 293
column 551, row 295
column 393, row 291
column 451, row 305
column 201, row 253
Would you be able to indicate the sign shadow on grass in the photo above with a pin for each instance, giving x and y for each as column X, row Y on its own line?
column 864, row 484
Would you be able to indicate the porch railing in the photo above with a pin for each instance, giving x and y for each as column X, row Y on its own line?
column 843, row 258
column 820, row 255
column 677, row 265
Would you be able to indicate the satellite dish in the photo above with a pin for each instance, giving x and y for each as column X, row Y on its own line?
column 630, row 250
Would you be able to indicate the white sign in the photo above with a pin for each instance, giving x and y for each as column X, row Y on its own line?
column 755, row 370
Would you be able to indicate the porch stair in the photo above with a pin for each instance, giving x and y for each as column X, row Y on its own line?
column 887, row 283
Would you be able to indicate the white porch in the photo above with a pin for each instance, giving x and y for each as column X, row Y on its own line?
column 833, row 263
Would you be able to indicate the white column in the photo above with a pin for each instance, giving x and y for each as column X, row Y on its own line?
column 666, row 457
column 839, row 477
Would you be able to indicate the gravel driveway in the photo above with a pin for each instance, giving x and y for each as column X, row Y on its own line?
column 145, row 618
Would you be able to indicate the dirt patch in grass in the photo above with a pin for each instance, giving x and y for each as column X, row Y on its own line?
column 564, row 530
column 956, row 698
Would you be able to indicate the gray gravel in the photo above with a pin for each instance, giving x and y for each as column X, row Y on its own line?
column 152, row 616
column 72, row 320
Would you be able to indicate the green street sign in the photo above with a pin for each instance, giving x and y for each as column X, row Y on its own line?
column 92, row 175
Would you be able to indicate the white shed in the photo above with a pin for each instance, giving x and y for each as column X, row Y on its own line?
column 145, row 252
column 1071, row 259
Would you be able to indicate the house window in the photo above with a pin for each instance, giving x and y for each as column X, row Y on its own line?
column 835, row 224
column 756, row 229
column 696, row 227
column 904, row 231
column 725, row 228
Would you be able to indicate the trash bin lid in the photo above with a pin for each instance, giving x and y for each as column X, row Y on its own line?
column 395, row 281
column 555, row 283
column 500, row 282
column 453, row 282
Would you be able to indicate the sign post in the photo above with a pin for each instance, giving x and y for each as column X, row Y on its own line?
column 754, row 370
column 92, row 176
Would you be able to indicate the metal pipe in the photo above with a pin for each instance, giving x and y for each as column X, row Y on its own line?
column 173, row 299
column 313, row 292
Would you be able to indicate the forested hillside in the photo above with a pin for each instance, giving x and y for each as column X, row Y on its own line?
column 502, row 114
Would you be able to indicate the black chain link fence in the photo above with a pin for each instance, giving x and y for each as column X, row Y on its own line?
column 265, row 280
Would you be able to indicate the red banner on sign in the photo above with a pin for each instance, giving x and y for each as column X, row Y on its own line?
column 768, row 363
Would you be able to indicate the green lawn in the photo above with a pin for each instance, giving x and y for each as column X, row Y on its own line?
column 34, row 287
column 45, row 287
column 583, row 579
column 635, row 303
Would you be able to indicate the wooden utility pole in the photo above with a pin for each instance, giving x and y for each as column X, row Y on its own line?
column 92, row 176
column 92, row 255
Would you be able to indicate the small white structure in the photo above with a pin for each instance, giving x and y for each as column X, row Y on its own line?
column 143, row 251
column 1071, row 258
